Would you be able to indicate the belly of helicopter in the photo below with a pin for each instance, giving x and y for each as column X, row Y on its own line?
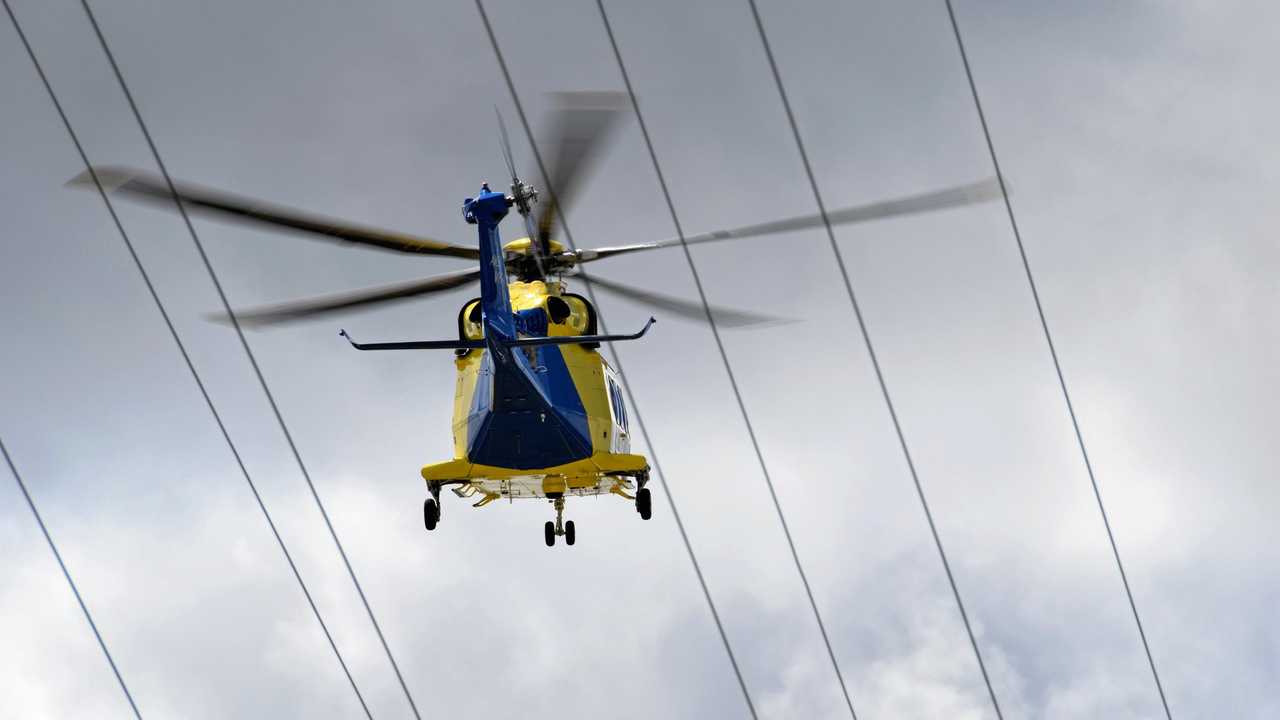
column 539, row 485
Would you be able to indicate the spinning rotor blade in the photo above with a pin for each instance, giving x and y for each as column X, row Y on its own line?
column 506, row 143
column 684, row 308
column 302, row 309
column 951, row 197
column 150, row 188
column 579, row 128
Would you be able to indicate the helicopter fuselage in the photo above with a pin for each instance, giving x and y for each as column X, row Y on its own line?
column 537, row 412
column 568, row 435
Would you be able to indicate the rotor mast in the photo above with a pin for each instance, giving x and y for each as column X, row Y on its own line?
column 523, row 197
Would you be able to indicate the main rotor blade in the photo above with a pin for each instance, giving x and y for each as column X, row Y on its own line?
column 579, row 128
column 506, row 143
column 313, row 307
column 940, row 199
column 150, row 188
column 684, row 308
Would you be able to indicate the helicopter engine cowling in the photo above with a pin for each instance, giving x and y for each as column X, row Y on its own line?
column 571, row 311
column 582, row 316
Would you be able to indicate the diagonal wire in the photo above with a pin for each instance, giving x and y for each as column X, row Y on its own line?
column 653, row 454
column 164, row 314
column 733, row 383
column 1053, row 352
column 58, row 556
column 871, row 353
column 266, row 390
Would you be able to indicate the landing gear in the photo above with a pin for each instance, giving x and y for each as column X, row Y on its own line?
column 431, row 508
column 644, row 503
column 560, row 527
column 644, row 499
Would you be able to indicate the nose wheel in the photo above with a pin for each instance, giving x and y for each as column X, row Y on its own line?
column 559, row 528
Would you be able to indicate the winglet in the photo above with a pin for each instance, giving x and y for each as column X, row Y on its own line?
column 109, row 177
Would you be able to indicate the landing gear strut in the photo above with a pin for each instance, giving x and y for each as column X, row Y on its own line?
column 560, row 527
column 431, row 507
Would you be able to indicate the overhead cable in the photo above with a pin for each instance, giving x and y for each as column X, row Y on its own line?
column 871, row 353
column 724, row 357
column 253, row 362
column 1053, row 353
column 164, row 314
column 58, row 556
column 635, row 408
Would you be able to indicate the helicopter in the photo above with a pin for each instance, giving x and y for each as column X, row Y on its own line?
column 538, row 411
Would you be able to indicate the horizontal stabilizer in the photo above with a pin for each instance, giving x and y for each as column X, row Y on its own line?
column 415, row 344
column 477, row 344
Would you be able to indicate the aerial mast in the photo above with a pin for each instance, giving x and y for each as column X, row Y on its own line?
column 523, row 196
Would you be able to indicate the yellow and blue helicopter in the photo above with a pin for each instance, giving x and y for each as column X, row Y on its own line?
column 538, row 412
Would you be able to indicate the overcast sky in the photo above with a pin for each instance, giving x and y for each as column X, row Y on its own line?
column 1140, row 143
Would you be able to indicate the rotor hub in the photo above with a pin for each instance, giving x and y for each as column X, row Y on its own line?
column 523, row 195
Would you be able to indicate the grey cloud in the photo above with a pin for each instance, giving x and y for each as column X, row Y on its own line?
column 1140, row 145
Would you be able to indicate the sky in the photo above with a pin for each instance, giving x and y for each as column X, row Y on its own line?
column 1139, row 142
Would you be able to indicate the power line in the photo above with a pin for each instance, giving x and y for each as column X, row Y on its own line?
column 653, row 454
column 733, row 383
column 266, row 390
column 58, row 556
column 1053, row 353
column 164, row 314
column 871, row 353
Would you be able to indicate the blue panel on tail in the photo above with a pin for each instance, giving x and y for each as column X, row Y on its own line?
column 517, row 427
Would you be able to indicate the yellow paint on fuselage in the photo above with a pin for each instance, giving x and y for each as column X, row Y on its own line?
column 599, row 473
column 610, row 466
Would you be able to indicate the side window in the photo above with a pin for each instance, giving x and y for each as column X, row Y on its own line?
column 615, row 400
column 619, row 407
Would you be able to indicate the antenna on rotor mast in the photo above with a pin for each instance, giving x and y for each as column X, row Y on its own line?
column 523, row 196
column 506, row 143
column 522, row 193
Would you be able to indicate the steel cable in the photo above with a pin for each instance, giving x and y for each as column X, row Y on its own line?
column 253, row 362
column 724, row 357
column 684, row 536
column 164, row 314
column 1053, row 353
column 58, row 556
column 871, row 353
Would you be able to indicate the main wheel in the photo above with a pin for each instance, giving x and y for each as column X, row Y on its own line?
column 644, row 503
column 569, row 533
column 430, row 513
column 549, row 533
